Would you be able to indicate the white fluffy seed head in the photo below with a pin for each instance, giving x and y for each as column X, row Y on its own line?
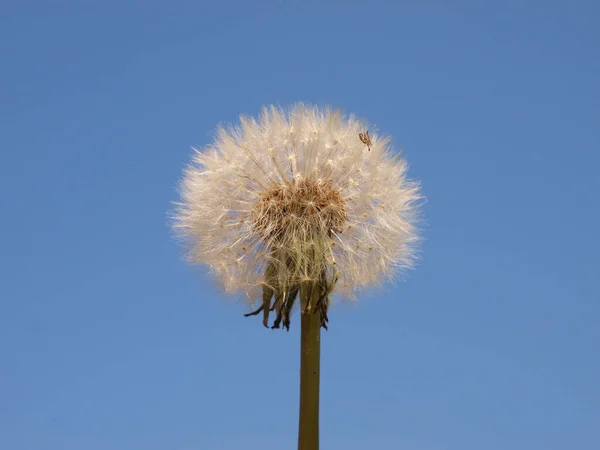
column 298, row 191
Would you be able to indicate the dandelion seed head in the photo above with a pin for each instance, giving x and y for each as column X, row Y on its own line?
column 298, row 190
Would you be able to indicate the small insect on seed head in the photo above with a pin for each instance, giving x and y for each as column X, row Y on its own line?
column 365, row 139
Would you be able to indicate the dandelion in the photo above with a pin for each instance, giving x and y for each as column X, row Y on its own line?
column 301, row 204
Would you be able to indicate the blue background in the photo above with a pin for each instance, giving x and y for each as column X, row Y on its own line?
column 108, row 340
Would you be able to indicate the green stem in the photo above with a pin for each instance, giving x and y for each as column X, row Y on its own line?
column 310, row 362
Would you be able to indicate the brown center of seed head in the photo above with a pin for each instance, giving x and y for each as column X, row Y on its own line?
column 299, row 205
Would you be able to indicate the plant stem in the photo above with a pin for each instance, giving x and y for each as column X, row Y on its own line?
column 310, row 368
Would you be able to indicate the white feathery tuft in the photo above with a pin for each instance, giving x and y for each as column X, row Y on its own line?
column 298, row 193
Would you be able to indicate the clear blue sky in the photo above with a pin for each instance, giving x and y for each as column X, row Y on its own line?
column 108, row 340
